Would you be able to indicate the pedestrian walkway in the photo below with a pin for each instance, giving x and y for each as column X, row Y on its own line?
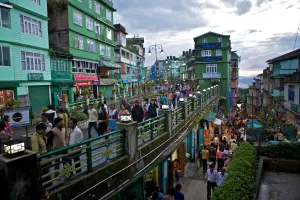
column 194, row 187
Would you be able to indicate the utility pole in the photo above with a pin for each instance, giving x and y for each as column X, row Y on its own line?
column 252, row 110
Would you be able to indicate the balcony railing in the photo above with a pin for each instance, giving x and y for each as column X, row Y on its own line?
column 85, row 155
column 150, row 129
column 209, row 59
column 211, row 75
column 208, row 45
column 294, row 107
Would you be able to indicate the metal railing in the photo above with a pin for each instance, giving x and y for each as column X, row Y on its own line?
column 189, row 107
column 177, row 116
column 68, row 162
column 150, row 129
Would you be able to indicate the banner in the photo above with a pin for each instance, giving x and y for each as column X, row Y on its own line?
column 20, row 116
column 206, row 137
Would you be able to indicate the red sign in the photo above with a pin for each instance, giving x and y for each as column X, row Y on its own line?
column 84, row 83
column 85, row 77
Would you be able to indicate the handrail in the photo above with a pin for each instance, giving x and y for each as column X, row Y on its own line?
column 151, row 119
column 54, row 152
column 132, row 164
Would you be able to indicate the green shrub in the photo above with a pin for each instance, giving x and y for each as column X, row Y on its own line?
column 80, row 116
column 240, row 184
column 283, row 150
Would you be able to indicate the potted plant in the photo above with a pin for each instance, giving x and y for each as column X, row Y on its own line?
column 100, row 92
column 45, row 109
column 86, row 93
column 122, row 88
column 12, row 102
column 114, row 90
column 64, row 98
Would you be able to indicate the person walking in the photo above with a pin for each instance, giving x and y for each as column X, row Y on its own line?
column 178, row 195
column 212, row 153
column 126, row 105
column 8, row 128
column 221, row 177
column 38, row 139
column 170, row 194
column 113, row 117
column 137, row 112
column 58, row 134
column 45, row 121
column 123, row 111
column 76, row 136
column 220, row 159
column 4, row 136
column 62, row 114
column 102, row 120
column 211, row 179
column 92, row 120
column 157, row 195
column 204, row 157
column 152, row 109
column 52, row 113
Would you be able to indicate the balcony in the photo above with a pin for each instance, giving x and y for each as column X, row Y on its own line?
column 209, row 59
column 234, row 75
column 211, row 75
column 208, row 45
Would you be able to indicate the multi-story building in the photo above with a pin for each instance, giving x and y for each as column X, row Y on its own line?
column 267, row 80
column 85, row 30
column 234, row 76
column 292, row 99
column 130, row 54
column 212, row 61
column 24, row 53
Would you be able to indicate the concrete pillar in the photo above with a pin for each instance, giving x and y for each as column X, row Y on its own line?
column 19, row 177
column 131, row 138
column 168, row 121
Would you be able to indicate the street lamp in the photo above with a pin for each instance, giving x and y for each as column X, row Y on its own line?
column 155, row 47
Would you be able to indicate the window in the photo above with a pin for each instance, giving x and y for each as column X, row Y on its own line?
column 97, row 7
column 204, row 40
column 31, row 26
column 211, row 68
column 97, row 28
column 218, row 52
column 79, row 42
column 108, row 15
column 77, row 66
column 91, row 46
column 33, row 61
column 108, row 33
column 90, row 67
column 219, row 39
column 206, row 53
column 59, row 65
column 77, row 18
column 89, row 23
column 4, row 56
column 108, row 51
column 4, row 18
column 102, row 50
column 91, row 4
column 291, row 92
column 37, row 1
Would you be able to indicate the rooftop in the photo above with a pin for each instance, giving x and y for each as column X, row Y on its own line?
column 210, row 32
column 287, row 56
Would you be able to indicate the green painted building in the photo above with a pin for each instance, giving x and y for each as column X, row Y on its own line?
column 24, row 53
column 212, row 62
column 84, row 30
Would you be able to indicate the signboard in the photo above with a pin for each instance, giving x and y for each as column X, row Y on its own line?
column 63, row 87
column 35, row 76
column 20, row 116
column 85, row 77
column 84, row 83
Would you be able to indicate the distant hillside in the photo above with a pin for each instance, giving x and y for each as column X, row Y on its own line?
column 245, row 82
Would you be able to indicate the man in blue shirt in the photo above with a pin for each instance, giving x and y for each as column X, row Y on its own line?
column 221, row 177
column 178, row 195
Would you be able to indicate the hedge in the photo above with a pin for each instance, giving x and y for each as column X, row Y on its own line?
column 240, row 183
column 283, row 150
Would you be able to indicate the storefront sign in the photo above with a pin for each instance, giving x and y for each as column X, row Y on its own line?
column 35, row 76
column 63, row 87
column 84, row 83
column 95, row 82
column 85, row 77
column 18, row 116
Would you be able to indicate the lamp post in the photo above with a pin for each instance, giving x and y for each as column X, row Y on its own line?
column 155, row 47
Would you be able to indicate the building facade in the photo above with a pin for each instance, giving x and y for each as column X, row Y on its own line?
column 84, row 29
column 212, row 62
column 130, row 54
column 234, row 77
column 24, row 53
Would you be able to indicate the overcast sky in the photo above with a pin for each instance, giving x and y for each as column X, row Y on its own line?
column 259, row 29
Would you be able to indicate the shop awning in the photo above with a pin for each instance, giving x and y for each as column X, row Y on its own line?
column 210, row 117
column 107, row 82
column 9, row 84
column 108, row 64
column 85, row 77
column 217, row 121
column 60, row 82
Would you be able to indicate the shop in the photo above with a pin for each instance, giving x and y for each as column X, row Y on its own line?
column 85, row 82
column 151, row 179
column 62, row 92
column 106, row 86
